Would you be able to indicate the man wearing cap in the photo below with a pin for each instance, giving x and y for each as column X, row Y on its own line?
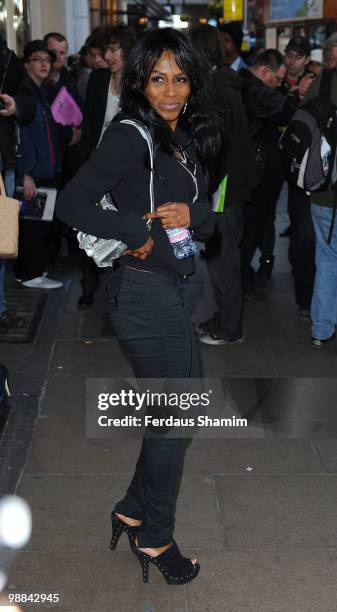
column 300, row 231
column 297, row 57
column 39, row 162
column 330, row 51
column 302, row 237
column 232, row 36
column 315, row 65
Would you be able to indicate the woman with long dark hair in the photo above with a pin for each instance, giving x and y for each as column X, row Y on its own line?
column 165, row 88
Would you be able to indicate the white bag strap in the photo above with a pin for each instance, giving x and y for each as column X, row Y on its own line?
column 147, row 136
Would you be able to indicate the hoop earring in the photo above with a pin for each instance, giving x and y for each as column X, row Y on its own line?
column 185, row 107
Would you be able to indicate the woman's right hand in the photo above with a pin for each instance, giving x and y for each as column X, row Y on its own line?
column 143, row 252
column 29, row 188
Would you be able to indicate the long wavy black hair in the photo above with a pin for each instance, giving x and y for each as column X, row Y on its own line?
column 200, row 121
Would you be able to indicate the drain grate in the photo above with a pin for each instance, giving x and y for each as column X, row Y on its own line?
column 28, row 304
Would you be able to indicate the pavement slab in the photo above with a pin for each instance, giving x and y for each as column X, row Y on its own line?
column 287, row 332
column 302, row 361
column 67, row 506
column 230, row 360
column 64, row 397
column 276, row 456
column 261, row 581
column 89, row 358
column 229, row 581
column 326, row 449
column 61, row 446
column 278, row 511
column 70, row 326
column 95, row 582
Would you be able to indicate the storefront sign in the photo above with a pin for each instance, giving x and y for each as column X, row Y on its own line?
column 292, row 10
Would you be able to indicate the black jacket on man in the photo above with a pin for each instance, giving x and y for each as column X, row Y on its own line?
column 236, row 157
column 267, row 110
column 11, row 73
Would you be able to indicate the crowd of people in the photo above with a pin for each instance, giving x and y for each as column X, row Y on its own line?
column 256, row 97
column 183, row 136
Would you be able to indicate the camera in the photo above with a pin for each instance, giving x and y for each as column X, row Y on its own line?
column 5, row 58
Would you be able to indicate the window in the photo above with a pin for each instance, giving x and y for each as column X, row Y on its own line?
column 21, row 24
column 3, row 19
column 103, row 12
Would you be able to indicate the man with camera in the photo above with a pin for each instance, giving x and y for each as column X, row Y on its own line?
column 15, row 109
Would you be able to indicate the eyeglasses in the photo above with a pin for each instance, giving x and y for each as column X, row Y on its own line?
column 40, row 60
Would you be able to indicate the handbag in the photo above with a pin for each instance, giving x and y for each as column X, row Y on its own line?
column 65, row 110
column 105, row 251
column 9, row 224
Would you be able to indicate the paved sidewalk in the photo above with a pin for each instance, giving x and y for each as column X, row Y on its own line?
column 260, row 513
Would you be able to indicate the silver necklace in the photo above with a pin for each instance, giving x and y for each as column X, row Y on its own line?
column 183, row 162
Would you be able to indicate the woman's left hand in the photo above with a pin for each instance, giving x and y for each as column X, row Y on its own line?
column 174, row 214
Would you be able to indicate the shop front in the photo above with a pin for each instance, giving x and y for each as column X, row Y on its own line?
column 314, row 19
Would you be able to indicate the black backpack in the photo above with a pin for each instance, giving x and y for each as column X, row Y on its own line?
column 309, row 143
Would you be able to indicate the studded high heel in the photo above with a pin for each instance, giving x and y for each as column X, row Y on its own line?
column 175, row 568
column 118, row 526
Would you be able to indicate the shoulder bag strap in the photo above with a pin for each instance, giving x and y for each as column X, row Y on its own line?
column 147, row 136
column 2, row 187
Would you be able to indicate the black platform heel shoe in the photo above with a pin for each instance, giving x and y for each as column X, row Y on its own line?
column 118, row 526
column 175, row 568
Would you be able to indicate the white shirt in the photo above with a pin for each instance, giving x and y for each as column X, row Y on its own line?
column 238, row 64
column 112, row 108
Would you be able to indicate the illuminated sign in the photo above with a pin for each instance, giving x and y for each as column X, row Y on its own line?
column 233, row 10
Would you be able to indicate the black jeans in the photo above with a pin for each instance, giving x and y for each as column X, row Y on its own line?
column 154, row 329
column 258, row 215
column 224, row 268
column 34, row 238
column 301, row 246
column 90, row 274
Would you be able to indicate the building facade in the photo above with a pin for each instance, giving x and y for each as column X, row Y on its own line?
column 272, row 22
column 22, row 20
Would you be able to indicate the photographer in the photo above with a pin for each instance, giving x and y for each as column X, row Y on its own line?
column 15, row 110
column 267, row 109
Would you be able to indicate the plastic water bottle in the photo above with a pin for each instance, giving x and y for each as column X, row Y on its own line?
column 182, row 243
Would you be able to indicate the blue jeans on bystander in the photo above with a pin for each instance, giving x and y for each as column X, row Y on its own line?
column 324, row 300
